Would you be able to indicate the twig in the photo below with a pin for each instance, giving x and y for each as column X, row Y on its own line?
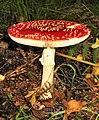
column 79, row 60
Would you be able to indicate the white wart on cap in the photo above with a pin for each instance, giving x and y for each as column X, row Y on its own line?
column 49, row 33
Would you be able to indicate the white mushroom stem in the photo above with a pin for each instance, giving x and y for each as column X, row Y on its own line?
column 47, row 60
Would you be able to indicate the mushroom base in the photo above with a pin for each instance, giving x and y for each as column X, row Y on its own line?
column 47, row 60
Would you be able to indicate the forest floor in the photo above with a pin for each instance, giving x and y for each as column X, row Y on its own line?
column 75, row 87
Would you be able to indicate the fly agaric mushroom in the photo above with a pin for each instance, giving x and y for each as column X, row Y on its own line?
column 48, row 34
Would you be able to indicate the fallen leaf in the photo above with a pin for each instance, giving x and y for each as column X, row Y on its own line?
column 33, row 99
column 90, row 80
column 30, row 93
column 34, row 91
column 2, row 77
column 74, row 106
column 96, row 44
column 33, row 95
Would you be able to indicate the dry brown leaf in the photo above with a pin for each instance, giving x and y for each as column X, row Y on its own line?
column 33, row 95
column 33, row 99
column 74, row 106
column 30, row 93
column 2, row 77
column 90, row 80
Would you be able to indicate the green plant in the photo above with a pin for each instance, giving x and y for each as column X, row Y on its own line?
column 73, row 50
column 56, row 114
column 21, row 115
column 85, row 50
column 63, row 71
column 95, row 55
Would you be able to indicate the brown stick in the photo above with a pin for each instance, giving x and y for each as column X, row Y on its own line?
column 79, row 60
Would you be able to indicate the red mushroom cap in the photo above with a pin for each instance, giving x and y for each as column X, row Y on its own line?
column 52, row 33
